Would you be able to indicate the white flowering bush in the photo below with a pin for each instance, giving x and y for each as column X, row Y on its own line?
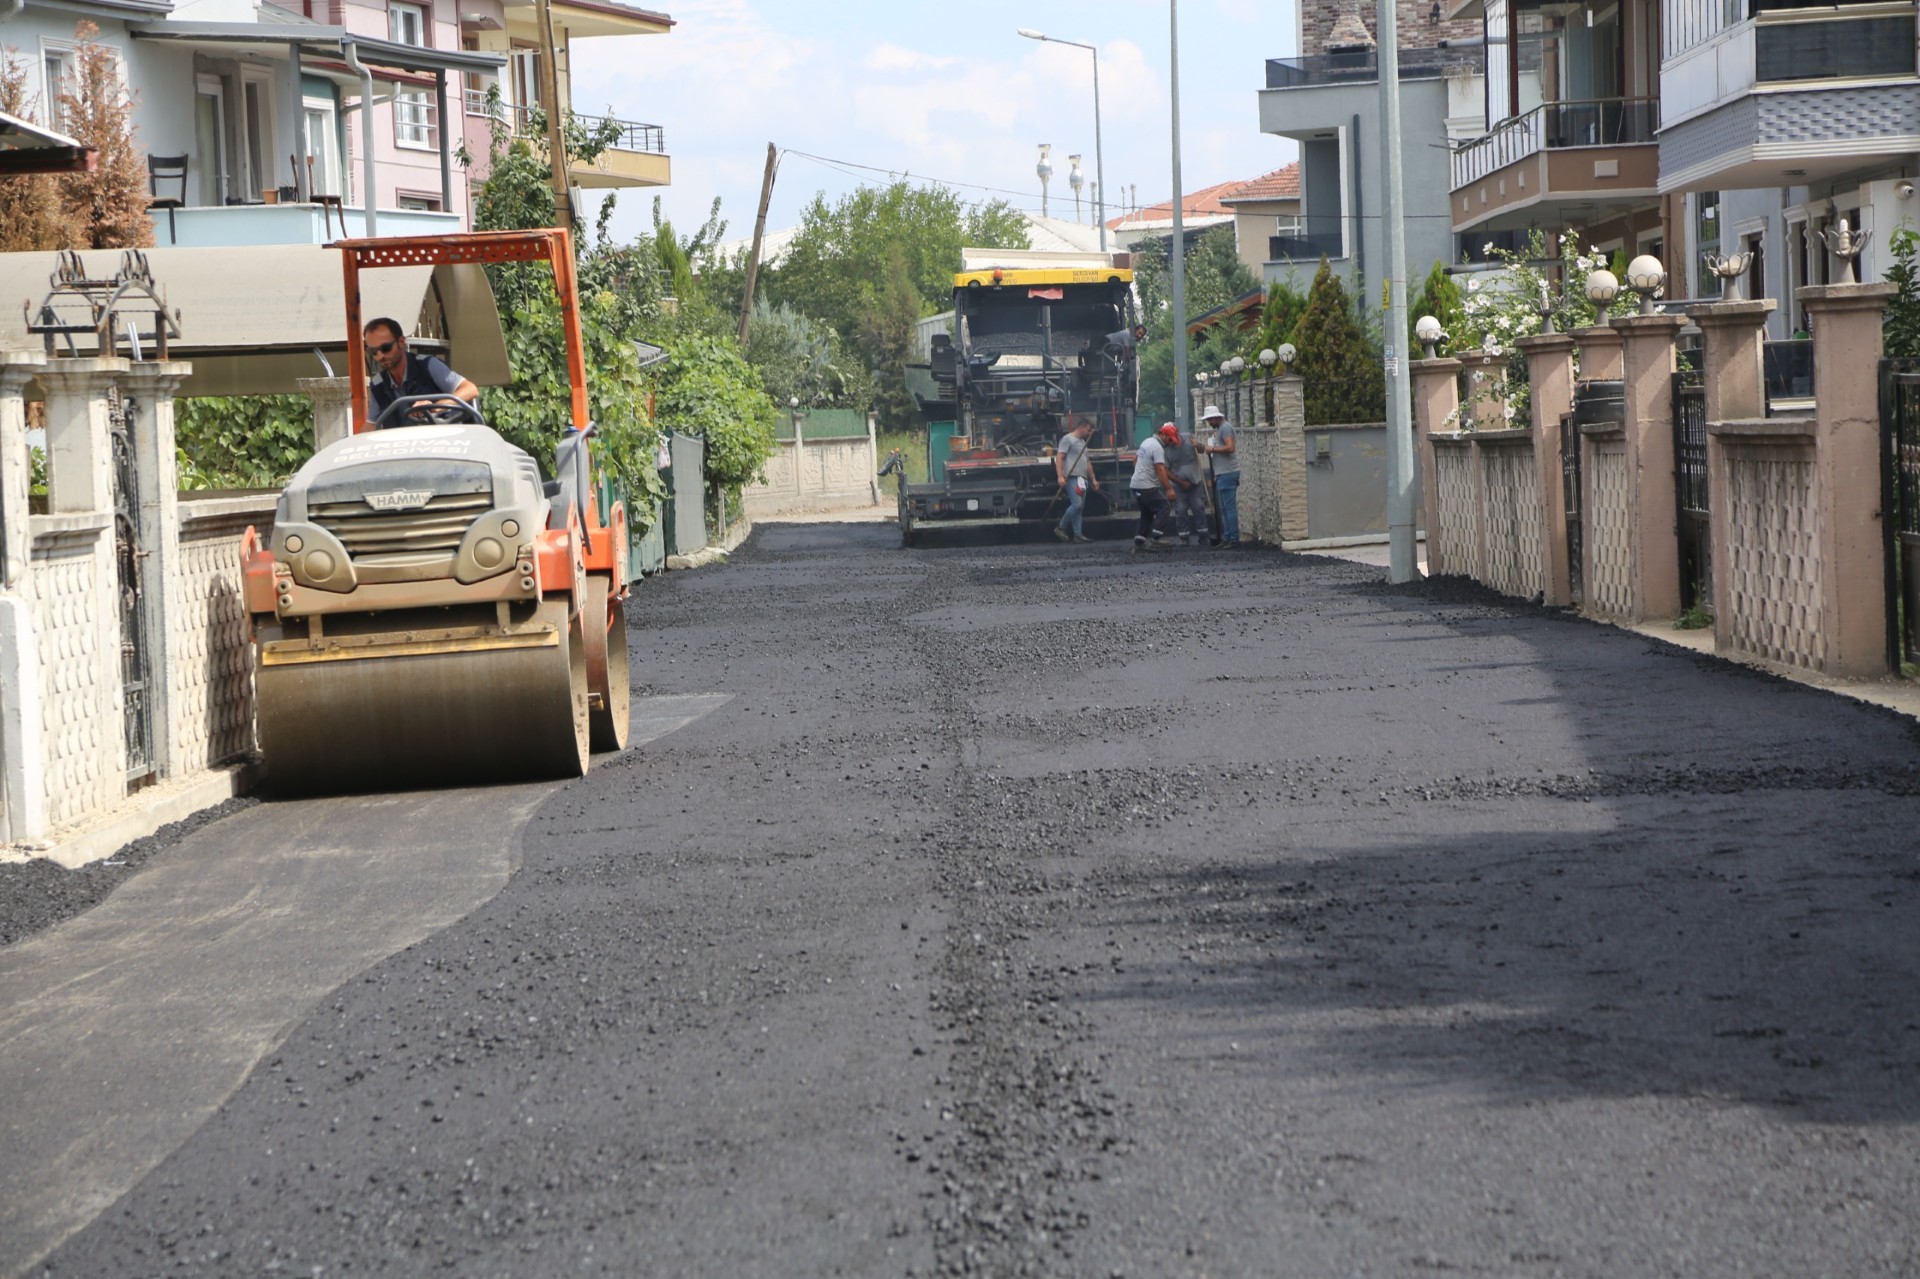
column 1511, row 303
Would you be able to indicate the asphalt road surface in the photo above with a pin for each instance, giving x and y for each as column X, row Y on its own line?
column 1043, row 910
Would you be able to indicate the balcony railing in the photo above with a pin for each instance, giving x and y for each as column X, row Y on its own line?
column 1552, row 126
column 1303, row 248
column 1362, row 65
column 633, row 136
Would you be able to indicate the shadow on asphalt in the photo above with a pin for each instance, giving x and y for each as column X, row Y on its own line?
column 1720, row 905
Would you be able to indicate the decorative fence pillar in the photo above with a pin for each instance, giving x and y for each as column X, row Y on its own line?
column 79, row 434
column 149, row 388
column 1288, row 521
column 1436, row 407
column 1739, row 435
column 22, row 788
column 1846, row 357
column 1653, row 548
column 332, row 408
column 1550, row 379
column 1485, row 406
column 1599, row 353
column 73, row 593
column 17, row 368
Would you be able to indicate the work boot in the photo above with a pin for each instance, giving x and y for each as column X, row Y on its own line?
column 1063, row 535
column 1083, row 538
column 1139, row 545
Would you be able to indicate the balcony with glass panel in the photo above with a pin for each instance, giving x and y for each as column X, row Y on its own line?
column 1764, row 93
column 1557, row 164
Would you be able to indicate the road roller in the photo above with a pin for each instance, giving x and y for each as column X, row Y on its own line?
column 430, row 607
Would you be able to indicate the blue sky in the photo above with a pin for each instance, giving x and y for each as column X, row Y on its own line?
column 937, row 90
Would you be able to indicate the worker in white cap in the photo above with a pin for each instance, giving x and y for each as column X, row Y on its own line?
column 1224, row 462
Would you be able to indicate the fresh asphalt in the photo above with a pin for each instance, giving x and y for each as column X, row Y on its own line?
column 1033, row 910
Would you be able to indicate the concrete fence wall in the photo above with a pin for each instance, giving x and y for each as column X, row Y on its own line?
column 1794, row 501
column 811, row 474
column 71, row 628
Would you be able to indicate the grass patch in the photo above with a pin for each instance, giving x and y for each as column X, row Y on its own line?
column 1694, row 619
column 913, row 447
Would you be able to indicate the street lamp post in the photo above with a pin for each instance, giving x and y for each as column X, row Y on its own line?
column 1099, row 161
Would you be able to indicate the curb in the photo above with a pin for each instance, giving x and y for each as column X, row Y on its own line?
column 137, row 816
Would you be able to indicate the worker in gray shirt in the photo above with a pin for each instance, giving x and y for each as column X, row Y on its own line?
column 1189, row 491
column 1074, row 469
column 1224, row 459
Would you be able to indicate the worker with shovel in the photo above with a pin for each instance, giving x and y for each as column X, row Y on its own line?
column 1224, row 461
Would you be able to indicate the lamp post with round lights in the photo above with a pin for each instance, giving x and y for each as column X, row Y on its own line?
column 1429, row 333
column 1645, row 276
column 1602, row 288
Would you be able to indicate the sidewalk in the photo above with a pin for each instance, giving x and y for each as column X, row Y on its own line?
column 1892, row 692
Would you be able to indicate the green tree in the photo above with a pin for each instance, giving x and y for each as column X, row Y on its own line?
column 838, row 266
column 707, row 389
column 803, row 359
column 1279, row 317
column 1900, row 330
column 1439, row 297
column 1344, row 380
column 1215, row 276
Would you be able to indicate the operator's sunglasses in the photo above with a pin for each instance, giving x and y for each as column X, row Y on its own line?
column 384, row 347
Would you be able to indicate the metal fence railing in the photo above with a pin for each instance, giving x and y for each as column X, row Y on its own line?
column 1554, row 126
column 633, row 135
column 1364, row 64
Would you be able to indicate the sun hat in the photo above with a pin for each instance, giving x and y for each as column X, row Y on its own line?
column 1211, row 411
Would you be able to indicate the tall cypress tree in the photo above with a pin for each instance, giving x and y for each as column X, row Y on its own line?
column 1341, row 369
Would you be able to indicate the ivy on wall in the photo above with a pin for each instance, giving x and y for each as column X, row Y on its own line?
column 241, row 441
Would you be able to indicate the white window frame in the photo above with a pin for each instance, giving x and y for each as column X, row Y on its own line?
column 410, row 133
column 398, row 14
column 265, row 143
column 323, row 144
column 218, row 166
column 49, row 88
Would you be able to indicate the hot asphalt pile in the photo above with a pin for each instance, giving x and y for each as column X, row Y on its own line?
column 1049, row 911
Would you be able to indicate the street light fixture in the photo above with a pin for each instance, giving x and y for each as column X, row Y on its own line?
column 1602, row 288
column 1645, row 275
column 1429, row 333
column 1099, row 160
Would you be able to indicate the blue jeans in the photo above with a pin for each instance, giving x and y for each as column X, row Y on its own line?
column 1226, row 491
column 1074, row 520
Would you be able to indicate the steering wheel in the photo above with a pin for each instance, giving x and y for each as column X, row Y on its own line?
column 422, row 410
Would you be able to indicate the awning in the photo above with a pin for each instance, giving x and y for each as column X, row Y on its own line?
column 252, row 317
column 25, row 147
column 319, row 41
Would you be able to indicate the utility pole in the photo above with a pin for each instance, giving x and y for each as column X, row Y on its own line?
column 759, row 230
column 556, row 118
column 1178, row 258
column 1402, row 564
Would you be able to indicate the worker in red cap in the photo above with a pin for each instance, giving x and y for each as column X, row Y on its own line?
column 1152, row 483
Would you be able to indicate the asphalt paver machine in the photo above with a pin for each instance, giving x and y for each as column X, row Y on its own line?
column 429, row 609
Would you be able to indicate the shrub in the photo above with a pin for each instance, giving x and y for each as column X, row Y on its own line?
column 1344, row 380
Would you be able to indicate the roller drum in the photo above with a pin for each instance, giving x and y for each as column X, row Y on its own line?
column 428, row 719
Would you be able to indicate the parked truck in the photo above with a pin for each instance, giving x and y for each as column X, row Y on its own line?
column 1038, row 344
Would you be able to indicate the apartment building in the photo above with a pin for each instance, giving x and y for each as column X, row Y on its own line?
column 297, row 121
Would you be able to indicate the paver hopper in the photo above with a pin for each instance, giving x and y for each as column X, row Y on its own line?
column 428, row 610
